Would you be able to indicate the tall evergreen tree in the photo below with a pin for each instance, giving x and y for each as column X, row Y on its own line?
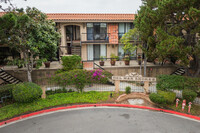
column 171, row 30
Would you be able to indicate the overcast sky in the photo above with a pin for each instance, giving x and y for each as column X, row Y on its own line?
column 82, row 6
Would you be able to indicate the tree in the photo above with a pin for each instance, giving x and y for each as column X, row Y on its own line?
column 129, row 40
column 8, row 5
column 171, row 28
column 29, row 33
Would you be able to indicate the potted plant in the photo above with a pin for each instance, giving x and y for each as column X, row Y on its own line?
column 113, row 59
column 101, row 62
column 37, row 63
column 139, row 58
column 46, row 63
column 127, row 60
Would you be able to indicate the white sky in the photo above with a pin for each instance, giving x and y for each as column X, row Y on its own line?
column 82, row 6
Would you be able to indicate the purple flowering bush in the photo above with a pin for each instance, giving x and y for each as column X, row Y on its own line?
column 80, row 78
column 99, row 76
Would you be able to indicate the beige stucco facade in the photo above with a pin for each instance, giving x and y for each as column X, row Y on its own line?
column 112, row 46
column 84, row 51
column 112, row 49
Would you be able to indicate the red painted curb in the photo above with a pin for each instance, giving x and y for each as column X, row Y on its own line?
column 97, row 105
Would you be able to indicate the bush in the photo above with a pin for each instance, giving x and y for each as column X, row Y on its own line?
column 193, row 84
column 6, row 90
column 157, row 98
column 189, row 95
column 26, row 92
column 80, row 78
column 128, row 90
column 174, row 82
column 71, row 62
column 169, row 96
column 169, row 82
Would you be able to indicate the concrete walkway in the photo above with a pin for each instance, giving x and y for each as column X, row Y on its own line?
column 104, row 120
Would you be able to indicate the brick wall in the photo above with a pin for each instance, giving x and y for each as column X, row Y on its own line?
column 113, row 33
column 88, row 65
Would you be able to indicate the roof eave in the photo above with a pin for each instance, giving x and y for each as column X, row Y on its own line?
column 63, row 20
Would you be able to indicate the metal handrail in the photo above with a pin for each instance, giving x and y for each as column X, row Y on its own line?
column 99, row 66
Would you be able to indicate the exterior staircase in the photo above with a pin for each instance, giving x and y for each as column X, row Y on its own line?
column 76, row 50
column 179, row 71
column 8, row 78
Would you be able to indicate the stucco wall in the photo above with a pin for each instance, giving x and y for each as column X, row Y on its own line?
column 152, row 71
column 39, row 76
column 112, row 48
column 63, row 35
column 84, row 52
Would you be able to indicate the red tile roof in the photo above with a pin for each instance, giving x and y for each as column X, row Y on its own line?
column 1, row 14
column 88, row 17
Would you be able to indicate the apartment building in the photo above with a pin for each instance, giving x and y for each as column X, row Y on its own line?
column 87, row 35
column 92, row 35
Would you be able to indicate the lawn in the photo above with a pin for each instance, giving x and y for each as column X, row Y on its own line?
column 195, row 109
column 15, row 109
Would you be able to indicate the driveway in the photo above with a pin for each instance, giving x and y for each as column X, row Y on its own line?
column 104, row 120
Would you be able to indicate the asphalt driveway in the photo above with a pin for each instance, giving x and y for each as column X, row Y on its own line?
column 104, row 120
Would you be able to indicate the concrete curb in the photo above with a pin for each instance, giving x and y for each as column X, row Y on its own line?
column 96, row 105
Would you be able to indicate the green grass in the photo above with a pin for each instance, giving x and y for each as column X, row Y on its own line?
column 195, row 109
column 15, row 109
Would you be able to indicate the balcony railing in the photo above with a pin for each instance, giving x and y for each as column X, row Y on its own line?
column 71, row 37
column 96, row 36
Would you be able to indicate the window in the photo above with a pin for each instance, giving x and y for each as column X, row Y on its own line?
column 96, row 31
column 95, row 51
column 72, row 32
column 124, row 27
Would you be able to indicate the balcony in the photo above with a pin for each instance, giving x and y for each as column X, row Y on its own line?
column 95, row 37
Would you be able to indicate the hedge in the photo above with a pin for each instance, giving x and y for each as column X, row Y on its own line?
column 189, row 95
column 175, row 82
column 157, row 98
column 26, row 92
column 71, row 62
column 169, row 96
column 6, row 90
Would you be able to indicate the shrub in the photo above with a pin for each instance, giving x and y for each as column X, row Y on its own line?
column 80, row 78
column 128, row 90
column 193, row 84
column 169, row 96
column 189, row 95
column 169, row 82
column 26, row 92
column 6, row 90
column 98, row 76
column 174, row 82
column 157, row 98
column 71, row 62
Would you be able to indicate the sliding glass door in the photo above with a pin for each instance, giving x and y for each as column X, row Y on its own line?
column 94, row 51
